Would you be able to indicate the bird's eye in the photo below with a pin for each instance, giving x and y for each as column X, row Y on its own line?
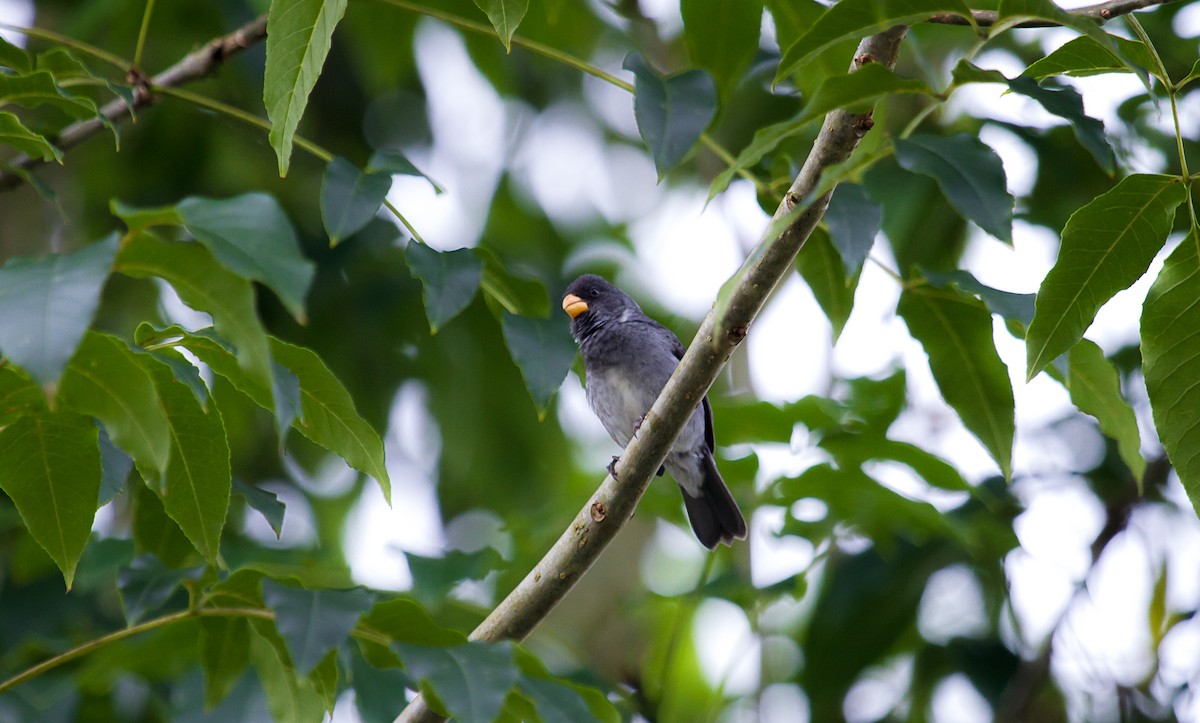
column 595, row 292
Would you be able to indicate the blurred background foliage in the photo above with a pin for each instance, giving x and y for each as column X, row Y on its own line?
column 893, row 602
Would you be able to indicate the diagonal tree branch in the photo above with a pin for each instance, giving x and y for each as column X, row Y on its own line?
column 195, row 65
column 722, row 331
column 1099, row 12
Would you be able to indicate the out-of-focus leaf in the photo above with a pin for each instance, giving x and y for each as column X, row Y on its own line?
column 854, row 220
column 671, row 112
column 395, row 162
column 350, row 198
column 742, row 422
column 1066, row 102
column 1009, row 305
column 969, row 173
column 405, row 621
column 106, row 381
column 50, row 469
column 62, row 64
column 312, row 622
column 765, row 140
column 470, row 680
column 434, row 577
column 13, row 133
column 375, row 688
column 1106, row 246
column 1083, row 56
column 722, row 36
column 115, row 467
column 47, row 303
column 324, row 679
column 505, row 15
column 855, row 449
column 298, row 39
column 14, row 57
column 1171, row 360
column 543, row 350
column 224, row 656
column 821, row 266
column 328, row 416
column 31, row 90
column 449, row 280
column 856, row 92
column 289, row 697
column 147, row 584
column 857, row 18
column 878, row 402
column 556, row 702
column 1095, row 388
column 956, row 332
column 265, row 503
column 517, row 295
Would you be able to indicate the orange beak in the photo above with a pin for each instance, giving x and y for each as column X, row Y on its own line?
column 573, row 305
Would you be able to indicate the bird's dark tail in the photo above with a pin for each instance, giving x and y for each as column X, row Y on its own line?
column 714, row 515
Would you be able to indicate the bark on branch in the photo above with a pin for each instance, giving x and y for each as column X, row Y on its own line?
column 616, row 499
column 1099, row 12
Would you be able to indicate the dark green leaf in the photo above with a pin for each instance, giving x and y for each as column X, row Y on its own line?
column 1171, row 360
column 289, row 697
column 286, row 394
column 853, row 220
column 449, row 280
column 856, row 18
column 224, row 656
column 14, row 134
column 266, row 503
column 19, row 395
column 14, row 57
column 1015, row 307
column 505, row 15
column 375, row 688
column 434, row 577
column 328, row 416
column 298, row 39
column 722, row 36
column 1066, row 102
column 969, row 173
column 350, row 198
column 742, row 422
column 956, row 332
column 1083, row 56
column 1096, row 389
column 154, row 532
column 857, row 92
column 50, row 469
column 967, row 72
column 1106, row 246
column 821, row 266
column 1013, row 12
column 395, row 162
column 47, row 303
column 313, row 622
column 544, row 351
column 556, row 702
column 407, row 622
column 671, row 112
column 147, row 584
column 115, row 467
column 878, row 402
column 38, row 88
column 470, row 680
column 106, row 381
column 516, row 294
column 766, row 140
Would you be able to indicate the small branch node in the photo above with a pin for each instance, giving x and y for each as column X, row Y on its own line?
column 599, row 511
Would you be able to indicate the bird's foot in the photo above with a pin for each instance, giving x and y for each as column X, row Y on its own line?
column 612, row 466
column 661, row 471
column 637, row 423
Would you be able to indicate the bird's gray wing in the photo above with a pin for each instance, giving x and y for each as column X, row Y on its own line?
column 709, row 439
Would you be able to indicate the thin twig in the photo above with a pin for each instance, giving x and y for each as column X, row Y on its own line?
column 1099, row 12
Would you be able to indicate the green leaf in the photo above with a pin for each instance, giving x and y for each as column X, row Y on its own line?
column 375, row 688
column 857, row 18
column 1095, row 388
column 470, row 680
column 313, row 622
column 38, row 88
column 289, row 697
column 854, row 220
column 967, row 72
column 1009, row 305
column 154, row 532
column 115, row 467
column 15, row 135
column 350, row 198
column 1171, row 360
column 62, row 64
column 147, row 584
column 207, row 286
column 395, row 162
column 671, row 112
column 969, row 173
column 50, row 469
column 556, row 702
column 857, row 92
column 516, row 294
column 722, row 36
column 1066, row 102
column 106, row 381
column 449, row 280
column 224, row 656
column 195, row 489
column 1013, row 12
column 505, row 15
column 14, row 57
column 821, row 266
column 299, row 33
column 1192, row 75
column 434, row 577
column 264, row 502
column 956, row 332
column 1106, row 246
column 544, row 351
column 19, row 395
column 766, row 140
column 47, row 303
column 328, row 416
column 1083, row 56
column 405, row 621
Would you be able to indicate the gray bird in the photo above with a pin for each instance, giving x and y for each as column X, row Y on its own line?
column 628, row 358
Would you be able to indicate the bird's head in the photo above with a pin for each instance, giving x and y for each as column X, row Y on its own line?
column 592, row 302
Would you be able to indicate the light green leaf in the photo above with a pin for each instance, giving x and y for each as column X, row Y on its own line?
column 350, row 198
column 207, row 286
column 1106, row 246
column 19, row 395
column 671, row 112
column 722, row 36
column 765, row 140
column 1095, row 388
column 289, row 697
column 104, row 380
column 821, row 266
column 50, row 469
column 505, row 15
column 62, row 64
column 853, row 220
column 405, row 621
column 313, row 622
column 47, row 303
column 1193, row 75
column 224, row 655
column 857, row 18
column 14, row 134
column 37, row 89
column 1171, row 360
column 1083, row 56
column 328, row 416
column 154, row 532
column 449, row 280
column 544, row 351
column 956, row 332
column 969, row 173
column 395, row 162
column 14, row 58
column 470, row 680
column 299, row 34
